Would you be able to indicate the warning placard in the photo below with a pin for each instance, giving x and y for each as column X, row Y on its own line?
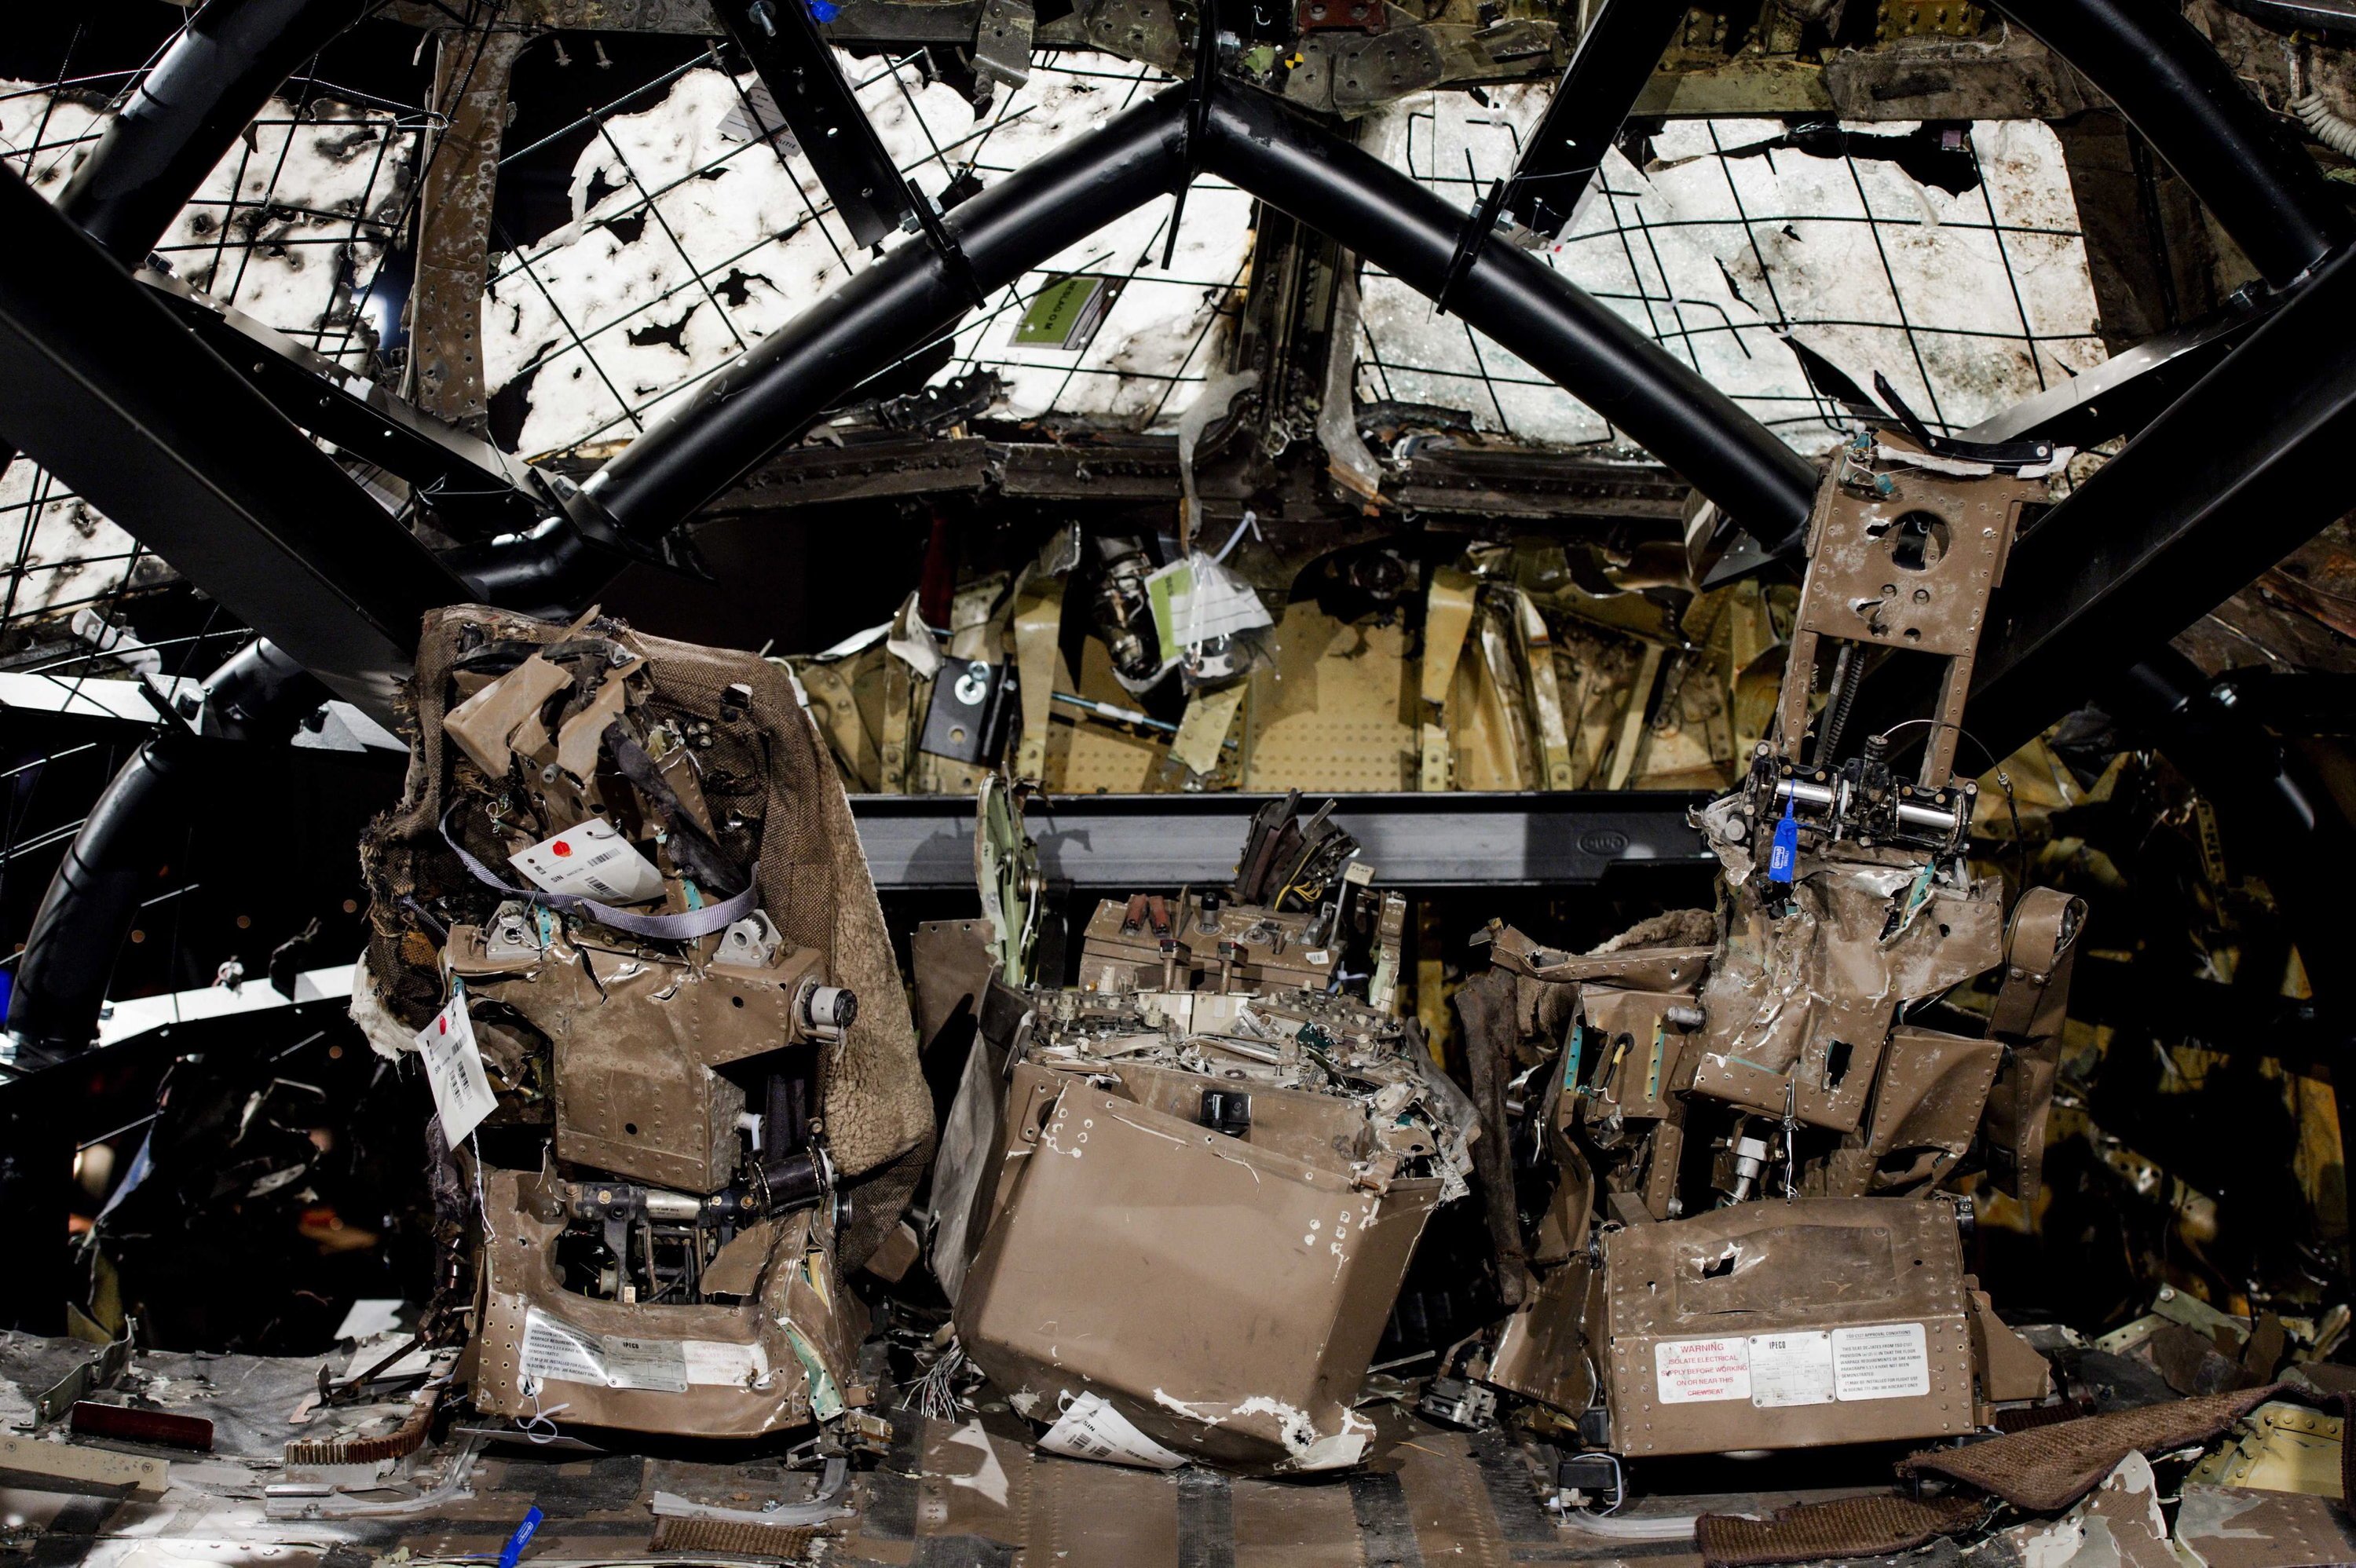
column 1881, row 1361
column 1791, row 1369
column 1688, row 1371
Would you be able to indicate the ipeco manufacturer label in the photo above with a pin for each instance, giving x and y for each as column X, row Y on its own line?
column 1791, row 1369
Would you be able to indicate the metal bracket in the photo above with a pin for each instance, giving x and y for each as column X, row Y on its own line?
column 936, row 233
column 1198, row 116
column 103, row 1370
column 798, row 66
column 1624, row 41
column 2028, row 452
column 1001, row 41
column 1479, row 224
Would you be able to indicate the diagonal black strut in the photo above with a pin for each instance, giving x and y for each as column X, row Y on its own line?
column 1624, row 41
column 798, row 66
column 104, row 389
column 767, row 399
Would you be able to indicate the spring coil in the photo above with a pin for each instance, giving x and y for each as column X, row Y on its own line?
column 2325, row 124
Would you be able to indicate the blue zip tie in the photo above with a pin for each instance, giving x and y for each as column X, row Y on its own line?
column 1783, row 857
column 521, row 1538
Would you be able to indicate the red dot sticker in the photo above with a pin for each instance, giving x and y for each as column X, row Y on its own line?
column 442, row 1024
column 559, row 847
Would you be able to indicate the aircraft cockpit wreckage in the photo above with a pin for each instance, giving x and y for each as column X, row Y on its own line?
column 1172, row 783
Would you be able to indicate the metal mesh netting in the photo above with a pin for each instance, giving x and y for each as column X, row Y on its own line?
column 684, row 251
column 690, row 240
column 292, row 227
column 1947, row 257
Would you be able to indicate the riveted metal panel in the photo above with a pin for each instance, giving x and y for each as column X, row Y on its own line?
column 1836, row 1267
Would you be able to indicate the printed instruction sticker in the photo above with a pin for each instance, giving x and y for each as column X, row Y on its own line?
column 453, row 1071
column 1688, row 1371
column 556, row 1349
column 591, row 862
column 1883, row 1361
column 1092, row 1429
column 1791, row 1369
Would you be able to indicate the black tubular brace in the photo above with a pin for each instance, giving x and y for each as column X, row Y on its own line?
column 2243, row 161
column 913, row 295
column 139, row 825
column 188, row 110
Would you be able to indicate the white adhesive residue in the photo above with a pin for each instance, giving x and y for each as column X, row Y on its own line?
column 1883, row 1361
column 1690, row 1372
column 1292, row 1423
column 723, row 1364
column 1293, row 1427
column 1181, row 1407
column 989, row 1480
column 1343, row 1449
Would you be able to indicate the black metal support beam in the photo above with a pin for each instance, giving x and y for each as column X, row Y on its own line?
column 1414, row 841
column 768, row 398
column 1624, row 41
column 90, row 383
column 183, row 115
column 2129, row 390
column 2240, row 471
column 107, row 390
column 2243, row 163
column 186, row 111
column 799, row 68
column 138, row 826
column 470, row 488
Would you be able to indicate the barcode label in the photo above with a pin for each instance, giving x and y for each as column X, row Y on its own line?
column 593, row 862
column 1091, row 1429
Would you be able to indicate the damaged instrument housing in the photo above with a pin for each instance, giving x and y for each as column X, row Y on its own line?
column 653, row 978
column 1195, row 1187
column 1751, row 1240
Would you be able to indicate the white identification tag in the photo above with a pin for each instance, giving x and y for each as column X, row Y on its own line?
column 591, row 862
column 453, row 1071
